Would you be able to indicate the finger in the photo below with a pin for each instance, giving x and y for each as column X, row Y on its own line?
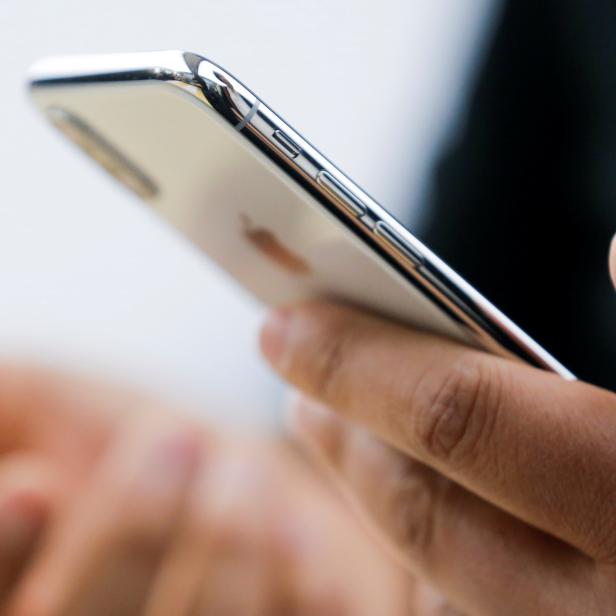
column 528, row 441
column 278, row 542
column 325, row 562
column 217, row 564
column 237, row 513
column 105, row 550
column 26, row 501
column 475, row 553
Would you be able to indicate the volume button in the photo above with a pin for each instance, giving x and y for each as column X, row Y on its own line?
column 341, row 193
column 289, row 146
column 398, row 243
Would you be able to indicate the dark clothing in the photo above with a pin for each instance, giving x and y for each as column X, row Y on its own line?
column 524, row 204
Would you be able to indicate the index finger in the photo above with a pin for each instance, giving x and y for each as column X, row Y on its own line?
column 537, row 446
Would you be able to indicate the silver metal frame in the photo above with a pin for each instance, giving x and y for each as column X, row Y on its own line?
column 290, row 152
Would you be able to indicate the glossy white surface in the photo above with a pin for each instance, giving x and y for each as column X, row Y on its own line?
column 242, row 211
column 90, row 279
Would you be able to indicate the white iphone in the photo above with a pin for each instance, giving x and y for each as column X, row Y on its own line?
column 200, row 148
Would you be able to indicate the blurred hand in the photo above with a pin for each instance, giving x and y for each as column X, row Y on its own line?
column 114, row 504
column 493, row 480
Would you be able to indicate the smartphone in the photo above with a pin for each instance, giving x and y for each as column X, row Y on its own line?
column 214, row 160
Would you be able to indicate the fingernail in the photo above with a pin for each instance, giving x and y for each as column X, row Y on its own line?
column 22, row 517
column 274, row 335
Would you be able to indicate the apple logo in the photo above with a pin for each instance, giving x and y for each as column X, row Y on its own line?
column 270, row 246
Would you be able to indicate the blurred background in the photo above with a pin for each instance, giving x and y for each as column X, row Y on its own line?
column 90, row 280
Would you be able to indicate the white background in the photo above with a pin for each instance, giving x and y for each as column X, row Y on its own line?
column 90, row 280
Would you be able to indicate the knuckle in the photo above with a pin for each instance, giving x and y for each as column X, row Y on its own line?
column 456, row 415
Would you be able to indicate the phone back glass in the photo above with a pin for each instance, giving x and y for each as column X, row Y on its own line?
column 254, row 221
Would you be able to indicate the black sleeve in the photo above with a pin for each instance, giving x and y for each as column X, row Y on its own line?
column 524, row 203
